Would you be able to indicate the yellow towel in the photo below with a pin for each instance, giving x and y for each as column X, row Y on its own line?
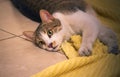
column 100, row 64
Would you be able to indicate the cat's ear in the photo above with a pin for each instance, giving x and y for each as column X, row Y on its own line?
column 46, row 16
column 29, row 35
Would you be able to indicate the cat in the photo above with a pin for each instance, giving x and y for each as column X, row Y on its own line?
column 60, row 19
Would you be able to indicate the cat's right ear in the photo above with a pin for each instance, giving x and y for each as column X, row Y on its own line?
column 46, row 16
column 29, row 35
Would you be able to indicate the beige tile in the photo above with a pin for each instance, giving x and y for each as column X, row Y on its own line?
column 20, row 58
column 4, row 35
column 13, row 21
column 3, row 0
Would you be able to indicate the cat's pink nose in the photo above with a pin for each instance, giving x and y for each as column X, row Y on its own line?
column 50, row 45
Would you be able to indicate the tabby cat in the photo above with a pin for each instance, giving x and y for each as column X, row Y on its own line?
column 59, row 19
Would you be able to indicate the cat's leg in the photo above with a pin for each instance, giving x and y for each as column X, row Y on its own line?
column 88, row 38
column 109, row 38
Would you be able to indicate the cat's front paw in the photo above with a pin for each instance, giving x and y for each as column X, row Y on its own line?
column 114, row 49
column 84, row 51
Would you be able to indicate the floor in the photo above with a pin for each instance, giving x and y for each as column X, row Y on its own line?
column 19, row 57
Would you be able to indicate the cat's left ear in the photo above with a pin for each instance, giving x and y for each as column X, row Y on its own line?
column 29, row 35
column 46, row 16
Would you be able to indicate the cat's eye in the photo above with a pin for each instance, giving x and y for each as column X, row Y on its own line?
column 49, row 33
column 41, row 43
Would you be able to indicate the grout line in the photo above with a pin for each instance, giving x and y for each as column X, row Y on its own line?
column 24, row 38
column 7, row 38
column 7, row 32
column 14, row 35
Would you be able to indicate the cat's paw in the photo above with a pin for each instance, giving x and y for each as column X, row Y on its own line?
column 114, row 49
column 84, row 51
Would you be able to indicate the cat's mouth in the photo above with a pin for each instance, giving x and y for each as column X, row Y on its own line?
column 53, row 49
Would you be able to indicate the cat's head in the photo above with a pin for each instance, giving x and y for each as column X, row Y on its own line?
column 48, row 35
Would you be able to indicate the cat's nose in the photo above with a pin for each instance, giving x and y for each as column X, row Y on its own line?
column 50, row 45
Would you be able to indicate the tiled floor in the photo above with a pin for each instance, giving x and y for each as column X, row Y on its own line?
column 19, row 57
